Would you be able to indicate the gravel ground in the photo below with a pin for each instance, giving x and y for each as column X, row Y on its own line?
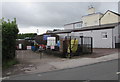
column 34, row 62
column 31, row 62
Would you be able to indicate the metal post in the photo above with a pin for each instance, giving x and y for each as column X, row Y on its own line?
column 70, row 47
column 91, row 45
column 81, row 43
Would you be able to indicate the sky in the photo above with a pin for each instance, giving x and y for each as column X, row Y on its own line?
column 50, row 15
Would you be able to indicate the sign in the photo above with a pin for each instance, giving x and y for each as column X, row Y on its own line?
column 20, row 46
column 28, row 47
column 45, row 37
column 52, row 47
column 51, row 41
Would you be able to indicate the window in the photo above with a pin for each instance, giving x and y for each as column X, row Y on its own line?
column 78, row 25
column 85, row 23
column 104, row 35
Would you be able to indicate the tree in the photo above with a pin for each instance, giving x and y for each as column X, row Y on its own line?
column 23, row 36
column 9, row 35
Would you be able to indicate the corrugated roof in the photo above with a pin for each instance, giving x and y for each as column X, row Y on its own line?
column 98, row 27
column 105, row 26
column 63, row 31
column 73, row 23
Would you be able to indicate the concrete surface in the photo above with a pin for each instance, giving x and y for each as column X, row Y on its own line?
column 30, row 62
column 71, row 63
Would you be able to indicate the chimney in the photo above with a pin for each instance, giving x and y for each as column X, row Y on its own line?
column 91, row 10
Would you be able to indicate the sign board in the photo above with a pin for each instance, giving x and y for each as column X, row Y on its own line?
column 45, row 37
column 28, row 47
column 20, row 46
column 51, row 41
column 52, row 47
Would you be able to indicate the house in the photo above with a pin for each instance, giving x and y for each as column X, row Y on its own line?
column 92, row 18
column 110, row 17
column 73, row 25
column 103, row 28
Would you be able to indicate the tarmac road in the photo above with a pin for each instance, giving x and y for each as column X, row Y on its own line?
column 100, row 71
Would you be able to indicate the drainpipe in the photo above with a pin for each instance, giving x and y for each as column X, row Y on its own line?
column 99, row 22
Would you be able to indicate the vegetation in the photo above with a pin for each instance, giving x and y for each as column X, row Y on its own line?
column 23, row 36
column 9, row 35
column 9, row 64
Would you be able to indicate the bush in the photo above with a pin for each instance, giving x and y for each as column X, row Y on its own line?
column 9, row 35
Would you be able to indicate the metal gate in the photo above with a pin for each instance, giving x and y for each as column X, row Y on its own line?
column 77, row 45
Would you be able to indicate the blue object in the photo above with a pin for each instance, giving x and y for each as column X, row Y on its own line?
column 58, row 43
column 33, row 48
column 45, row 37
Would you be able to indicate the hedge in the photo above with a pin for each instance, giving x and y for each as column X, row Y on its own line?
column 9, row 35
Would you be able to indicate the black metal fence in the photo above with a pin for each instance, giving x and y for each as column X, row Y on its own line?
column 77, row 45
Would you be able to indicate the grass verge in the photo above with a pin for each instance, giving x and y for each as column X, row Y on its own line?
column 9, row 63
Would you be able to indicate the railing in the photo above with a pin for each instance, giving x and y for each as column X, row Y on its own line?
column 77, row 45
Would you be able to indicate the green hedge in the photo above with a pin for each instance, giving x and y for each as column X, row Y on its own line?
column 9, row 35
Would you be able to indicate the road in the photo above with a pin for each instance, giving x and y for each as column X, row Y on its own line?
column 99, row 71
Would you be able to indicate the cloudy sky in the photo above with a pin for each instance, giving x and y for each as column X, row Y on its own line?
column 49, row 15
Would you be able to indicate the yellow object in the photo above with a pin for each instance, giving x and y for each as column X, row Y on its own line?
column 74, row 46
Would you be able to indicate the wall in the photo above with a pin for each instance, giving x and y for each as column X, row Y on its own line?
column 91, row 20
column 98, row 41
column 68, row 26
column 116, row 35
column 110, row 17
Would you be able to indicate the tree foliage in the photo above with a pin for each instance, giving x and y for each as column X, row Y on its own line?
column 23, row 36
column 9, row 35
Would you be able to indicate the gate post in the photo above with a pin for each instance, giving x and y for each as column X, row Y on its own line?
column 81, row 43
column 70, row 48
column 91, row 45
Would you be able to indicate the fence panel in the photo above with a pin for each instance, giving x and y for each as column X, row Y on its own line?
column 77, row 45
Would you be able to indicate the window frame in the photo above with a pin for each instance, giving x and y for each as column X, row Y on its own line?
column 104, row 35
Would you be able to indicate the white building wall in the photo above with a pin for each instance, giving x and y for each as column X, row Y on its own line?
column 98, row 41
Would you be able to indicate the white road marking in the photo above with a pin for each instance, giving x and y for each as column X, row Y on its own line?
column 118, row 73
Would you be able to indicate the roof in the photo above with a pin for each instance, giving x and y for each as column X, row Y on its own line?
column 73, row 23
column 93, row 14
column 111, row 12
column 62, row 31
column 97, row 27
column 115, row 13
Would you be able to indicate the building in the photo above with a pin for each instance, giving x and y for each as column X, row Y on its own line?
column 73, row 25
column 92, row 18
column 103, row 28
column 110, row 17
